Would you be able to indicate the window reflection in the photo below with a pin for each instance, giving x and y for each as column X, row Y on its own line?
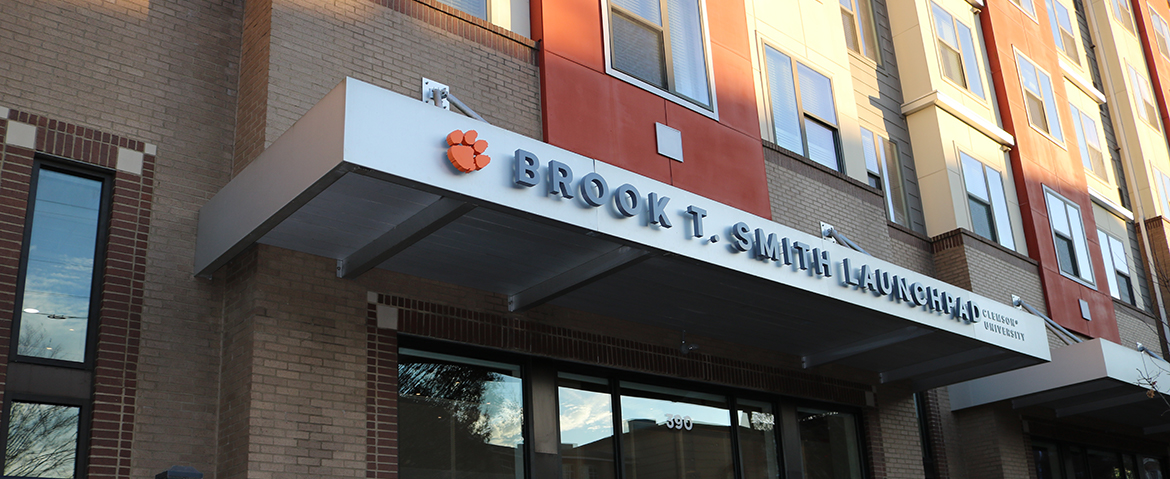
column 828, row 444
column 463, row 418
column 59, row 272
column 671, row 434
column 757, row 440
column 586, row 428
column 42, row 441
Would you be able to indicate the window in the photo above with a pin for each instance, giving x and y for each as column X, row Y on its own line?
column 1123, row 13
column 1117, row 267
column 1089, row 142
column 653, row 432
column 1027, row 6
column 1143, row 100
column 956, row 49
column 58, row 290
column 859, row 32
column 662, row 44
column 1038, row 98
column 42, row 440
column 1164, row 189
column 804, row 116
column 885, row 173
column 1161, row 33
column 1068, row 235
column 478, row 8
column 987, row 202
column 464, row 417
column 828, row 442
column 1062, row 30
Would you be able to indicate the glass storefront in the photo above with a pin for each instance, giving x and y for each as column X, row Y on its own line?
column 459, row 418
column 465, row 418
column 1074, row 461
column 670, row 433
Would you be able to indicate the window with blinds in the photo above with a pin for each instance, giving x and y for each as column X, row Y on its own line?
column 1062, row 30
column 958, row 58
column 1161, row 33
column 1038, row 98
column 1143, row 100
column 1123, row 13
column 661, row 43
column 860, row 35
column 1117, row 265
column 804, row 116
column 1089, row 141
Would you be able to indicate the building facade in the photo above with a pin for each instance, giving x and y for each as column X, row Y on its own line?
column 584, row 238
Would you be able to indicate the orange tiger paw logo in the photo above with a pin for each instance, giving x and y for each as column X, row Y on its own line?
column 466, row 151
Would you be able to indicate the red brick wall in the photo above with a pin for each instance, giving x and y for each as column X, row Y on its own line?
column 122, row 289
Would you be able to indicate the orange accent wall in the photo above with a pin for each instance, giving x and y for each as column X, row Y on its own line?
column 602, row 117
column 1038, row 161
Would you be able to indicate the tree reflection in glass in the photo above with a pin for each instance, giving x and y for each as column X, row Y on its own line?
column 42, row 441
column 459, row 418
column 59, row 271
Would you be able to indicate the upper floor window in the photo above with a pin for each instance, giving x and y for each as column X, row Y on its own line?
column 1038, row 98
column 885, row 173
column 1116, row 267
column 1068, row 235
column 1062, row 30
column 1143, row 100
column 804, row 116
column 987, row 202
column 478, row 8
column 57, row 292
column 1164, row 189
column 1027, row 6
column 1089, row 142
column 860, row 35
column 1161, row 33
column 956, row 49
column 661, row 44
column 1123, row 13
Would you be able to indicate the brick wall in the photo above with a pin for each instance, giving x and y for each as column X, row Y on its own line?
column 896, row 450
column 1135, row 326
column 973, row 263
column 311, row 46
column 994, row 442
column 161, row 72
column 123, row 287
column 296, row 383
column 804, row 194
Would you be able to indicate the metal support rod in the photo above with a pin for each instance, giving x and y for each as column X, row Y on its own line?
column 1058, row 329
column 461, row 106
column 1146, row 350
column 828, row 231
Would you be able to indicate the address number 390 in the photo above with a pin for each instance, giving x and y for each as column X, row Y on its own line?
column 674, row 421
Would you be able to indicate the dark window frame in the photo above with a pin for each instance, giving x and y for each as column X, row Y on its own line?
column 106, row 177
column 84, row 421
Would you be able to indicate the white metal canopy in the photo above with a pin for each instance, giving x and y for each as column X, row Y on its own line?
column 1095, row 380
column 364, row 178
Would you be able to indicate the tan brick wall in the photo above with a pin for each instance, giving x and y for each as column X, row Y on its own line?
column 804, row 194
column 1135, row 326
column 898, row 434
column 163, row 72
column 992, row 443
column 314, row 45
column 298, row 349
column 970, row 262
